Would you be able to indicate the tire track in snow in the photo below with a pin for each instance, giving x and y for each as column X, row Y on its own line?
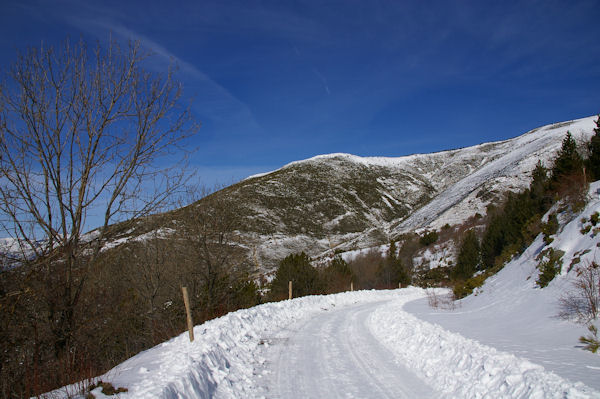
column 334, row 355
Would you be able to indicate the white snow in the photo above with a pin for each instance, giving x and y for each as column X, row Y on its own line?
column 512, row 314
column 461, row 182
column 439, row 255
column 463, row 368
column 452, row 205
column 162, row 232
column 225, row 358
column 230, row 356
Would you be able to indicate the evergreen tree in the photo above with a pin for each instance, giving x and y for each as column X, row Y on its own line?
column 539, row 182
column 392, row 251
column 392, row 271
column 338, row 275
column 493, row 241
column 506, row 227
column 538, row 189
column 594, row 151
column 428, row 238
column 297, row 269
column 568, row 160
column 468, row 257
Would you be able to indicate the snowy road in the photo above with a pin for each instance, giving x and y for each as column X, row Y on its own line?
column 350, row 345
column 334, row 355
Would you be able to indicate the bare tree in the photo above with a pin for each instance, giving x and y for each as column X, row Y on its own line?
column 216, row 263
column 82, row 132
column 148, row 269
column 582, row 302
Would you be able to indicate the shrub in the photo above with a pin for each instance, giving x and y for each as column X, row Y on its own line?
column 436, row 277
column 428, row 238
column 440, row 301
column 107, row 389
column 550, row 228
column 463, row 288
column 549, row 266
column 305, row 278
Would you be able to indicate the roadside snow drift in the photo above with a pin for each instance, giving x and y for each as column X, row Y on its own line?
column 227, row 358
column 462, row 368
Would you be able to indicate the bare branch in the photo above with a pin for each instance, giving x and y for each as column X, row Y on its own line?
column 83, row 132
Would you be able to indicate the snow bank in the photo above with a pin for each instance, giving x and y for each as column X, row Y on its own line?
column 225, row 358
column 462, row 368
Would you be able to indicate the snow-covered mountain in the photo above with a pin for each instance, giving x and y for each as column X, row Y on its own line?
column 342, row 202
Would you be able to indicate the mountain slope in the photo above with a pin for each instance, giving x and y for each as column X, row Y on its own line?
column 341, row 202
column 511, row 313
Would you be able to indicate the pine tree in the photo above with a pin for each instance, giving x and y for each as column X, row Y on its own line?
column 468, row 257
column 304, row 277
column 337, row 276
column 538, row 189
column 391, row 272
column 493, row 242
column 392, row 251
column 568, row 160
column 594, row 151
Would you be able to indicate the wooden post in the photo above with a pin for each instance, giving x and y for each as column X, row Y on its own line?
column 290, row 290
column 186, row 302
column 351, row 285
column 399, row 285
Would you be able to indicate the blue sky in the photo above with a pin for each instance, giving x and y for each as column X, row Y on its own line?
column 274, row 82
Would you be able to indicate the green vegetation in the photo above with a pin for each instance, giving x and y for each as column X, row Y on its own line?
column 463, row 288
column 593, row 163
column 550, row 263
column 512, row 226
column 107, row 389
column 593, row 221
column 568, row 160
column 131, row 299
column 469, row 257
column 297, row 269
column 337, row 276
column 591, row 342
column 429, row 238
column 436, row 277
column 550, row 228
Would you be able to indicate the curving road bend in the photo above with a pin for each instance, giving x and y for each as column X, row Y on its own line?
column 334, row 355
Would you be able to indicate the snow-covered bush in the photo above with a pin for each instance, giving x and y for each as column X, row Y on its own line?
column 549, row 266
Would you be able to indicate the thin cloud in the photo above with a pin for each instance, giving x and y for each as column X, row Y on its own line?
column 216, row 102
column 322, row 78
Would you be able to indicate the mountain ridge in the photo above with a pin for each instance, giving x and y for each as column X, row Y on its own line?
column 333, row 203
